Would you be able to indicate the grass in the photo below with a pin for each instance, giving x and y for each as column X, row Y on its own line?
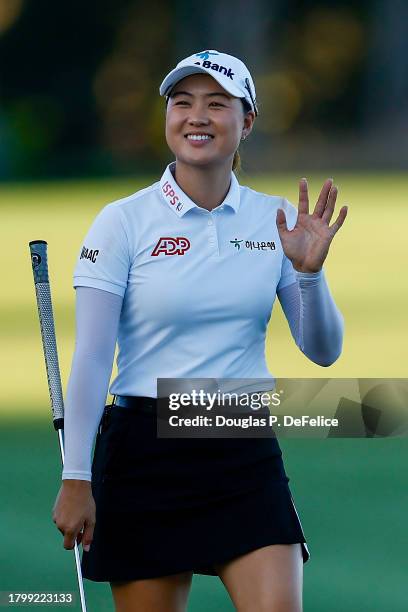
column 351, row 494
column 365, row 270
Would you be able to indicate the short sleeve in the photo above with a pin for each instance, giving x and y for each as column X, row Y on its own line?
column 103, row 261
column 287, row 272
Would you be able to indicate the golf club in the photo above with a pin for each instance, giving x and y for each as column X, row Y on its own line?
column 39, row 261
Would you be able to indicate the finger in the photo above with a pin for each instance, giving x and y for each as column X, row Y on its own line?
column 322, row 200
column 339, row 221
column 331, row 202
column 303, row 197
column 88, row 536
column 281, row 221
column 69, row 539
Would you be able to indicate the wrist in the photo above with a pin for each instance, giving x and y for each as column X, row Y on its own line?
column 302, row 270
column 76, row 483
column 306, row 279
column 309, row 273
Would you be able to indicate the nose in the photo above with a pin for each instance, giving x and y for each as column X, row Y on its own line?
column 199, row 120
column 198, row 116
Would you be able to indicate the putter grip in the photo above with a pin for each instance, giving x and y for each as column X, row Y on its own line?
column 39, row 261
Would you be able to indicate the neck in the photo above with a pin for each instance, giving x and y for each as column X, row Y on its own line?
column 206, row 186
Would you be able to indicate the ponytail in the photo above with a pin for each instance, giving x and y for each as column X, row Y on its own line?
column 236, row 162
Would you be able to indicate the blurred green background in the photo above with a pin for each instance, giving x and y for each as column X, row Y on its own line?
column 352, row 495
column 81, row 124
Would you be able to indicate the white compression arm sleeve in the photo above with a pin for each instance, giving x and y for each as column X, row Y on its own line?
column 97, row 320
column 315, row 322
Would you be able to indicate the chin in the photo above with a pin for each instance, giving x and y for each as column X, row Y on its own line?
column 200, row 160
column 199, row 163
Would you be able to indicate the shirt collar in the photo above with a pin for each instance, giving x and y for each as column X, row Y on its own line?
column 178, row 201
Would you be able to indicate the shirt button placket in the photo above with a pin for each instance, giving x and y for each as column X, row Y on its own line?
column 212, row 236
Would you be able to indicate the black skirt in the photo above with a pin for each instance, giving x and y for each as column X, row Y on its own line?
column 167, row 505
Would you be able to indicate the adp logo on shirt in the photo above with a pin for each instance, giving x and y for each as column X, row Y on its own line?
column 171, row 246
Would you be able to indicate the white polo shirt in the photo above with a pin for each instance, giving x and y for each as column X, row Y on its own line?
column 198, row 285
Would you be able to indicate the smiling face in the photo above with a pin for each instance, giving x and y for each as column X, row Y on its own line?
column 204, row 123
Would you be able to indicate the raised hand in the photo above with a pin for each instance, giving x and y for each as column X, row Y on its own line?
column 307, row 244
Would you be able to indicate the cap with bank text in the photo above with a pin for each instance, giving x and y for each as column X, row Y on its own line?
column 229, row 71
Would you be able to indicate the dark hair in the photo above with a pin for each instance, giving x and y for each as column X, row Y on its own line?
column 236, row 162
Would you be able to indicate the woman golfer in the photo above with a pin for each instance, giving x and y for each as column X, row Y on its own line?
column 184, row 274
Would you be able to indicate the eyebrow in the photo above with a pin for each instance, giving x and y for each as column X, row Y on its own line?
column 187, row 93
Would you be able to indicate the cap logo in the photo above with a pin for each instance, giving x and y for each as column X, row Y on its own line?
column 205, row 54
column 222, row 69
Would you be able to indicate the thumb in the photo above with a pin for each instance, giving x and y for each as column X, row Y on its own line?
column 87, row 535
column 281, row 220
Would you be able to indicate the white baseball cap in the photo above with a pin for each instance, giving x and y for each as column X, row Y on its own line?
column 229, row 71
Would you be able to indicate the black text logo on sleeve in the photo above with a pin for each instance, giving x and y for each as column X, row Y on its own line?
column 90, row 254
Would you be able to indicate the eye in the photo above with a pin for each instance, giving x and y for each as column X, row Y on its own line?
column 216, row 103
column 180, row 102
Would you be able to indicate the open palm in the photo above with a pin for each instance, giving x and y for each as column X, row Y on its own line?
column 307, row 244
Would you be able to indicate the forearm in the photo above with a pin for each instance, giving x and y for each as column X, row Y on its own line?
column 97, row 316
column 321, row 323
column 316, row 323
column 84, row 404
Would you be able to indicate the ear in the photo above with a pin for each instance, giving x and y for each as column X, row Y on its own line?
column 249, row 119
